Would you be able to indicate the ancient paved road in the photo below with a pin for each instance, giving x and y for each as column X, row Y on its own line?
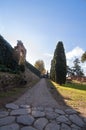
column 37, row 110
column 39, row 95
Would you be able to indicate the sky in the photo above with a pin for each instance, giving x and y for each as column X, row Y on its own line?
column 41, row 24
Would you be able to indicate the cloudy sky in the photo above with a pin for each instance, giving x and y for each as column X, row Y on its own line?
column 40, row 24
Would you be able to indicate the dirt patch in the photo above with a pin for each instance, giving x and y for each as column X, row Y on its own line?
column 14, row 94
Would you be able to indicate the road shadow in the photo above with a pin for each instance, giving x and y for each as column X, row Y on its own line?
column 61, row 101
column 57, row 96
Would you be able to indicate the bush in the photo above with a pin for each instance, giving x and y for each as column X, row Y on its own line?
column 22, row 68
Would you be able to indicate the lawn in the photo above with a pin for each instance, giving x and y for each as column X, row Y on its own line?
column 73, row 94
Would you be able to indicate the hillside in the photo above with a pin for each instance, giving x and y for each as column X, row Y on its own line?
column 10, row 76
column 7, row 59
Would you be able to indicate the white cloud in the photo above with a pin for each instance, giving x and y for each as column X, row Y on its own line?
column 71, row 55
column 76, row 52
column 48, row 55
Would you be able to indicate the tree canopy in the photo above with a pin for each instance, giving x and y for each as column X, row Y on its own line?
column 58, row 64
column 39, row 64
column 83, row 58
column 77, row 68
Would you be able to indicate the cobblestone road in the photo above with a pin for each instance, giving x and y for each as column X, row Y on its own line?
column 37, row 110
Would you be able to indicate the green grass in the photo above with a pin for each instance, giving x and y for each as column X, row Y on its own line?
column 73, row 94
column 76, row 86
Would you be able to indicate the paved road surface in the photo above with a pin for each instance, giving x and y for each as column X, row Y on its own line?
column 39, row 95
column 37, row 110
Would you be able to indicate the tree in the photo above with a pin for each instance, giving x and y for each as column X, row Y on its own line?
column 52, row 70
column 77, row 68
column 58, row 65
column 70, row 71
column 39, row 64
column 83, row 58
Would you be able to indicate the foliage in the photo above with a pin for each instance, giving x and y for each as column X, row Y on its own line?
column 3, row 68
column 6, row 54
column 83, row 58
column 22, row 68
column 39, row 64
column 32, row 69
column 8, row 62
column 52, row 70
column 77, row 68
column 70, row 71
column 58, row 65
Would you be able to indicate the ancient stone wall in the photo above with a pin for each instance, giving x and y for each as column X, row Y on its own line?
column 8, row 81
column 20, row 53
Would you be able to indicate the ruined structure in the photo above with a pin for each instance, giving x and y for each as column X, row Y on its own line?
column 12, row 57
column 20, row 53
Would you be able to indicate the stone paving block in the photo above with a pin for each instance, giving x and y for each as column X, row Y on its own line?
column 75, row 127
column 84, row 119
column 11, row 106
column 49, row 109
column 25, row 119
column 40, row 108
column 7, row 120
column 59, row 111
column 3, row 114
column 20, row 111
column 51, row 115
column 28, row 128
column 40, row 123
column 52, row 126
column 65, row 127
column 24, row 106
column 63, row 119
column 34, row 109
column 76, row 120
column 10, row 127
column 70, row 111
column 38, row 113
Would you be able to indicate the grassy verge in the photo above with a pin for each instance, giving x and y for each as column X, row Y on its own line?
column 74, row 95
column 15, row 93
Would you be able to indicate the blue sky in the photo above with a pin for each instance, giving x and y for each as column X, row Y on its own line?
column 40, row 24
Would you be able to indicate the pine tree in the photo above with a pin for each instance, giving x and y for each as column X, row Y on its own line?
column 77, row 68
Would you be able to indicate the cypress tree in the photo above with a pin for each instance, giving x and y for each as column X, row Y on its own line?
column 52, row 70
column 59, row 64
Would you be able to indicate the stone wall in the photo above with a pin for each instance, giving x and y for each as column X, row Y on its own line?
column 8, row 81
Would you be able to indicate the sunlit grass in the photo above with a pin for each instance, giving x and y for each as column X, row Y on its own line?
column 73, row 94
